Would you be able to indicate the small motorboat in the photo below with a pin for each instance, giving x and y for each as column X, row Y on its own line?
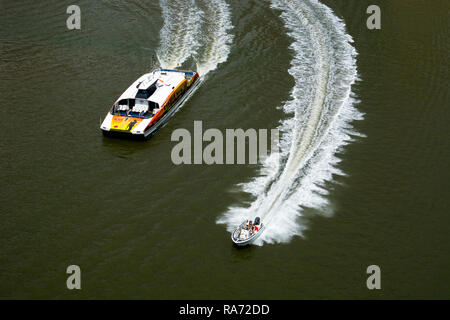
column 247, row 232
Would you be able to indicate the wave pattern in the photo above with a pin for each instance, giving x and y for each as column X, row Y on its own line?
column 322, row 104
column 197, row 29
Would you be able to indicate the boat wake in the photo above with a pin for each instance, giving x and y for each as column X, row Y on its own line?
column 322, row 105
column 195, row 29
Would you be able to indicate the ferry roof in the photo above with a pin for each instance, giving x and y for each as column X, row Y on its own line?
column 167, row 81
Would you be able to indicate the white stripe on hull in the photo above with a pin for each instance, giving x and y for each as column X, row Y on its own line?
column 172, row 110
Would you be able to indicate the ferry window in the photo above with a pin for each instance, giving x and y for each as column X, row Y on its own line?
column 142, row 94
column 152, row 105
column 146, row 93
column 151, row 89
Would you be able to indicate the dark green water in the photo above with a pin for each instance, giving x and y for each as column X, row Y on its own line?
column 141, row 227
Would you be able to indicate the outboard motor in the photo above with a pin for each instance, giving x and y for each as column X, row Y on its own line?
column 257, row 221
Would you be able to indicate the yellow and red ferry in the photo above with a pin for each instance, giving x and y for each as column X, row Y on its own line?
column 149, row 103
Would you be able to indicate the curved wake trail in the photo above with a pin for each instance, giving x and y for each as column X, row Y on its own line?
column 324, row 69
column 195, row 29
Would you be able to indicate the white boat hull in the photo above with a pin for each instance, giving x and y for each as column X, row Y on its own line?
column 149, row 103
column 172, row 111
column 235, row 236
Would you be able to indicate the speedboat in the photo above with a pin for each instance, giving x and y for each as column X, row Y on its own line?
column 149, row 103
column 247, row 232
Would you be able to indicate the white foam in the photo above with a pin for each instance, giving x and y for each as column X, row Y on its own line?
column 190, row 31
column 180, row 32
column 324, row 69
column 217, row 39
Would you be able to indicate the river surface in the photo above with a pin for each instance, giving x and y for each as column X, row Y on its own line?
column 361, row 177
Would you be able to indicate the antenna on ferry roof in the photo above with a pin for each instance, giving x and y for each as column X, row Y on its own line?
column 155, row 62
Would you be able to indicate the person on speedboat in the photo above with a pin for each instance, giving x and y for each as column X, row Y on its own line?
column 251, row 227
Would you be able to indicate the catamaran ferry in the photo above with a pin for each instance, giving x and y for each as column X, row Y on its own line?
column 149, row 103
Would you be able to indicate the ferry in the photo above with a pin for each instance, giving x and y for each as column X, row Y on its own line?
column 149, row 103
column 247, row 232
